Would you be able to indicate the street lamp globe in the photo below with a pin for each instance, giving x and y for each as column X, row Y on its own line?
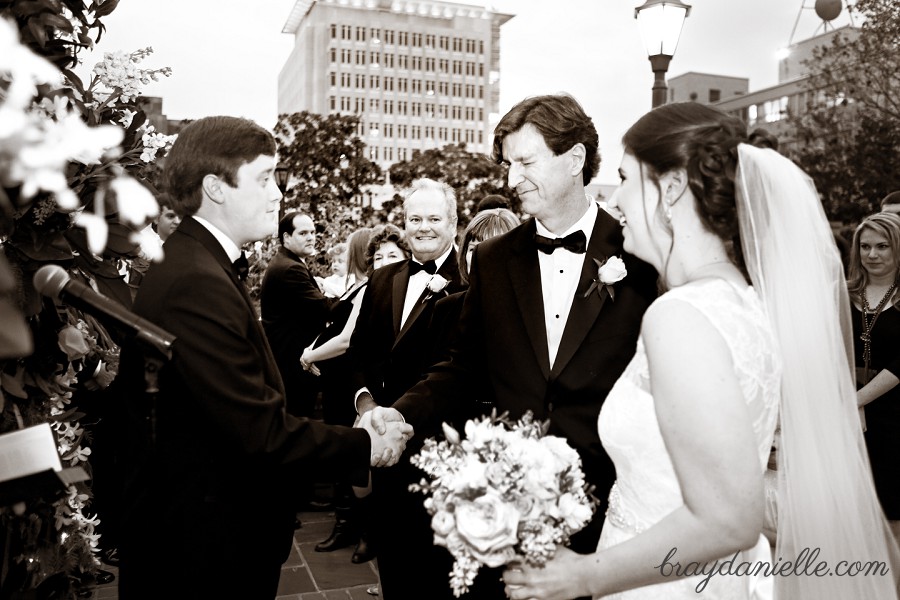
column 660, row 23
column 281, row 178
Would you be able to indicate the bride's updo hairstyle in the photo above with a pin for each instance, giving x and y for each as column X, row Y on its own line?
column 703, row 141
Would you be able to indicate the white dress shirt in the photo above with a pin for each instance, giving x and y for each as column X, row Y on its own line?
column 231, row 249
column 560, row 272
column 418, row 283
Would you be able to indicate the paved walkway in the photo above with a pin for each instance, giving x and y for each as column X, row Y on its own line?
column 307, row 574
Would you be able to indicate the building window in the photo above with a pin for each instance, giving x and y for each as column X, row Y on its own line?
column 373, row 104
column 360, row 57
column 470, row 136
column 416, row 132
column 388, row 60
column 455, row 135
column 402, row 107
column 445, row 42
column 442, row 110
column 401, row 131
column 402, row 84
column 480, row 46
column 360, row 81
column 333, row 29
column 388, row 107
column 715, row 95
column 375, row 59
column 388, row 36
column 346, row 56
column 389, row 84
column 417, row 40
column 470, row 46
column 389, row 154
column 345, row 80
column 470, row 90
column 457, row 90
column 373, row 152
column 429, row 132
column 429, row 110
column 403, row 38
column 374, row 82
column 360, row 34
column 333, row 53
column 457, row 44
column 416, row 109
column 332, row 76
column 442, row 88
column 376, row 35
column 416, row 86
column 456, row 112
column 403, row 61
column 388, row 130
column 401, row 154
column 443, row 65
column 417, row 63
column 360, row 105
column 332, row 103
column 346, row 32
column 470, row 113
column 429, row 40
column 429, row 64
column 429, row 88
column 345, row 103
column 442, row 134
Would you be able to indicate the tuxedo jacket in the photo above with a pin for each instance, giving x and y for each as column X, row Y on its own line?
column 216, row 452
column 387, row 358
column 500, row 353
column 294, row 311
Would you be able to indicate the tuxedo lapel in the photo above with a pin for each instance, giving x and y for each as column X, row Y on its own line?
column 525, row 273
column 398, row 296
column 449, row 271
column 584, row 310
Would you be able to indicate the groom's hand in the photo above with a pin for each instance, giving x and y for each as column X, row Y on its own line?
column 388, row 433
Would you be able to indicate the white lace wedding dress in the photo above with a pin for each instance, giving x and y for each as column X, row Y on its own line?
column 647, row 489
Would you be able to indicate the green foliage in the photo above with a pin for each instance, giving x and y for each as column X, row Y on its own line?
column 473, row 176
column 849, row 139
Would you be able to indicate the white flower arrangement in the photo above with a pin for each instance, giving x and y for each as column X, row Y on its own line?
column 506, row 492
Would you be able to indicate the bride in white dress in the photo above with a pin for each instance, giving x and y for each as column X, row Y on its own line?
column 719, row 364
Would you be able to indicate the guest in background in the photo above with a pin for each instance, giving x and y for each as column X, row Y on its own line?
column 327, row 357
column 872, row 284
column 386, row 246
column 294, row 309
column 891, row 203
column 492, row 201
column 340, row 280
column 762, row 138
column 389, row 350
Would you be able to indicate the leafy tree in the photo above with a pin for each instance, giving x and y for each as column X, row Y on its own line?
column 849, row 138
column 328, row 170
column 473, row 176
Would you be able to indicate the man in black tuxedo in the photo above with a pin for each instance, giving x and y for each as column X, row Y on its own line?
column 214, row 456
column 535, row 334
column 294, row 310
column 390, row 349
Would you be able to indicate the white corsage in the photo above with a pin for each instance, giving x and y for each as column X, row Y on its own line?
column 436, row 285
column 609, row 271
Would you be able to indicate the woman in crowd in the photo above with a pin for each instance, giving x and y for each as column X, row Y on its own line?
column 326, row 356
column 690, row 423
column 872, row 282
column 387, row 245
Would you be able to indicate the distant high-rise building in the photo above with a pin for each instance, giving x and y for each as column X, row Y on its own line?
column 420, row 74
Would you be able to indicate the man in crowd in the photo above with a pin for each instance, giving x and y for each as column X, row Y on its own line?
column 391, row 347
column 534, row 334
column 213, row 458
column 294, row 310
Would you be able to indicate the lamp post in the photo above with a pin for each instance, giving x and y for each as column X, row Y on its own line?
column 281, row 180
column 660, row 22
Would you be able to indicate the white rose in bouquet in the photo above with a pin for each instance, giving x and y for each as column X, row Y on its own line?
column 488, row 524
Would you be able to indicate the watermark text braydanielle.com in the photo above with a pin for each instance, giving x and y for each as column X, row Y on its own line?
column 806, row 564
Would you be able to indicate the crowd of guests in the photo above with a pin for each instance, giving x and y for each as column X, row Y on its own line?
column 340, row 379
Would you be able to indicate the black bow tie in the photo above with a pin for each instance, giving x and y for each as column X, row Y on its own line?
column 574, row 242
column 241, row 266
column 429, row 267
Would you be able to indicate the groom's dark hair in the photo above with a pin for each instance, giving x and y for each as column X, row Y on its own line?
column 562, row 123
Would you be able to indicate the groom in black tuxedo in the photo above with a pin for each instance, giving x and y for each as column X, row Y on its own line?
column 536, row 333
column 390, row 349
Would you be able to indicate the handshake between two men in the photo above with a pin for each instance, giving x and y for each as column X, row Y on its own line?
column 388, row 433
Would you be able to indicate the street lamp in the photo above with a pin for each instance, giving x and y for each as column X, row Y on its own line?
column 281, row 180
column 660, row 23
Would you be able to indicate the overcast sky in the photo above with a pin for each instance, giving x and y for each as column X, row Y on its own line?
column 226, row 54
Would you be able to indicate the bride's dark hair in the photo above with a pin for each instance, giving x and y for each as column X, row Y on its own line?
column 703, row 141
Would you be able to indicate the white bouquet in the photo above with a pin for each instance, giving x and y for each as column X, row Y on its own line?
column 507, row 492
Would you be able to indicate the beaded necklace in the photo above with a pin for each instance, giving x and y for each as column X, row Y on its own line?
column 867, row 325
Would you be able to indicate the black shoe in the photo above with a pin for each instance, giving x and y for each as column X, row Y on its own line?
column 341, row 537
column 364, row 552
column 317, row 505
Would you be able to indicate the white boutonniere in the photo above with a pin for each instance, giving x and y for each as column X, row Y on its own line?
column 435, row 285
column 609, row 271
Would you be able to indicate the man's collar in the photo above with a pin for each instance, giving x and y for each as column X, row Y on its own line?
column 439, row 261
column 231, row 249
column 585, row 223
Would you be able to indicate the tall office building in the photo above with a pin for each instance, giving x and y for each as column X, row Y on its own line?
column 420, row 74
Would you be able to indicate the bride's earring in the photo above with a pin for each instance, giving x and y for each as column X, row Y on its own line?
column 668, row 212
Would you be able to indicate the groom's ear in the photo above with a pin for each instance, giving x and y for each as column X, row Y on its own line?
column 577, row 154
column 673, row 184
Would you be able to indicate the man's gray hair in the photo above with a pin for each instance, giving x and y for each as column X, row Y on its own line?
column 430, row 184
